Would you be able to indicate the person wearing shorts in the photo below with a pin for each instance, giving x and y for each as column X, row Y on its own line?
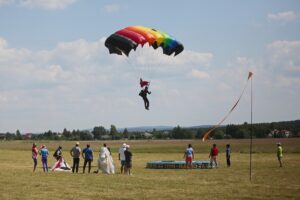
column 128, row 160
column 189, row 156
column 214, row 151
column 122, row 157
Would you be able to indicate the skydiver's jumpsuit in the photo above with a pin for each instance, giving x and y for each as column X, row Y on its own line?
column 143, row 94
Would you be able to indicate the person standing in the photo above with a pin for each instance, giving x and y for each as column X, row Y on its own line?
column 214, row 151
column 87, row 155
column 58, row 153
column 189, row 156
column 105, row 161
column 34, row 151
column 44, row 153
column 122, row 157
column 228, row 155
column 75, row 153
column 279, row 154
column 128, row 160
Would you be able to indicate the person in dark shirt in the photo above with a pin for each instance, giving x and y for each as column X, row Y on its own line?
column 228, row 155
column 57, row 154
column 128, row 160
column 143, row 94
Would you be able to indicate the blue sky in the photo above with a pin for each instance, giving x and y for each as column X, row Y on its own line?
column 56, row 73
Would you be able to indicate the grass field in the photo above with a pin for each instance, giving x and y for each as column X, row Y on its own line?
column 268, row 180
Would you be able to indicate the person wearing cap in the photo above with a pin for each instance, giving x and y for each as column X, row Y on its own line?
column 75, row 153
column 58, row 153
column 128, row 160
column 44, row 153
column 34, row 151
column 122, row 157
column 87, row 155
column 279, row 153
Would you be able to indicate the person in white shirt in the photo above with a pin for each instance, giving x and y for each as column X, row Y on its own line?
column 122, row 157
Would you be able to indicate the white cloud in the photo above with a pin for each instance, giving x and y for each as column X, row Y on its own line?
column 3, row 43
column 82, row 77
column 44, row 4
column 148, row 56
column 286, row 16
column 199, row 74
column 112, row 8
column 285, row 55
column 5, row 2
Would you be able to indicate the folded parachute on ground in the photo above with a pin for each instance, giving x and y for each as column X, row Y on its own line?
column 61, row 166
column 124, row 40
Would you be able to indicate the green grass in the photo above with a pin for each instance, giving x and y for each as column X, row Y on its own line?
column 268, row 181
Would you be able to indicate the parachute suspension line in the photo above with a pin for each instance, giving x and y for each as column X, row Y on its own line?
column 230, row 111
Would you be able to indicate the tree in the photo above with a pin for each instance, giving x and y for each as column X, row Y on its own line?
column 98, row 132
column 18, row 135
column 125, row 133
column 66, row 134
column 113, row 131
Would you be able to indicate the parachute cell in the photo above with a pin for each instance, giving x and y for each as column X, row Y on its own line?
column 124, row 40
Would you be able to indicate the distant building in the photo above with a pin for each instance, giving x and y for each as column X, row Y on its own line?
column 148, row 135
column 279, row 134
column 27, row 136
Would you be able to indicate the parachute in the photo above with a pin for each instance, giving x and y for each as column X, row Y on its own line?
column 124, row 40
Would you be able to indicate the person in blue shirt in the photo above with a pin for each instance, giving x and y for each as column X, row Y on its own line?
column 44, row 153
column 87, row 155
column 228, row 155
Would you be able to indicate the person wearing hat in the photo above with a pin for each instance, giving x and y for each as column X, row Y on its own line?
column 279, row 153
column 122, row 157
column 75, row 153
column 128, row 160
column 34, row 151
column 44, row 153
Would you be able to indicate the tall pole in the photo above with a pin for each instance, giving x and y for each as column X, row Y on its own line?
column 251, row 133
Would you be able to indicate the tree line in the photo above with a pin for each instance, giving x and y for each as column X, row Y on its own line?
column 258, row 130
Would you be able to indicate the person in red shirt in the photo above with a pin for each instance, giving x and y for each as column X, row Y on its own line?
column 34, row 151
column 214, row 151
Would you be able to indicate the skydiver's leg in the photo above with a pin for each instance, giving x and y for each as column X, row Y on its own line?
column 146, row 103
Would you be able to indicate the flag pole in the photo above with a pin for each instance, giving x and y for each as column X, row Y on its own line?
column 251, row 133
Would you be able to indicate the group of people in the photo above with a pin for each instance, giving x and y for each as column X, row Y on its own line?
column 214, row 151
column 105, row 161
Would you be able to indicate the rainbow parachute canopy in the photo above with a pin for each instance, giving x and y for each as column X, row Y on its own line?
column 123, row 41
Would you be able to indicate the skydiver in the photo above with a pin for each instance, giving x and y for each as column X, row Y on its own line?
column 143, row 93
